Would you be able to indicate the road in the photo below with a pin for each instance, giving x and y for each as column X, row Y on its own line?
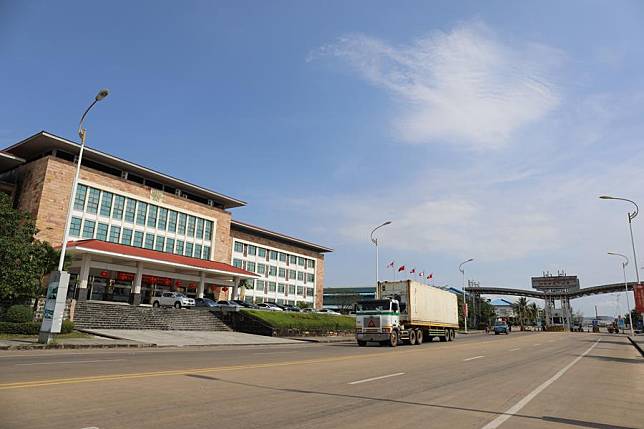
column 526, row 380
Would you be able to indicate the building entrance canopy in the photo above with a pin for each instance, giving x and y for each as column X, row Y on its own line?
column 115, row 262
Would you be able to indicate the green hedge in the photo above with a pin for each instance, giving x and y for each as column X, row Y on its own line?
column 31, row 328
column 19, row 314
column 304, row 321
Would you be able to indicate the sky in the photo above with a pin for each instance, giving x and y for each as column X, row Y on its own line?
column 481, row 130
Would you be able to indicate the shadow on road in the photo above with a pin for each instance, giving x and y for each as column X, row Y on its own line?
column 581, row 423
column 617, row 359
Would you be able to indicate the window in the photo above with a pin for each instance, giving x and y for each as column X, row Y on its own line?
column 311, row 263
column 272, row 286
column 300, row 276
column 300, row 261
column 106, row 204
column 169, row 245
column 273, row 255
column 282, row 257
column 163, row 214
column 138, row 239
column 282, row 273
column 310, row 291
column 199, row 228
column 197, row 250
column 291, row 289
column 190, row 230
column 281, row 288
column 206, row 252
column 300, row 290
column 181, row 226
column 292, row 274
column 237, row 263
column 88, row 229
column 79, row 201
column 126, row 237
column 261, row 252
column 130, row 208
column 188, row 251
column 75, row 227
column 92, row 200
column 160, row 242
column 239, row 247
column 207, row 230
column 172, row 221
column 179, row 249
column 101, row 232
column 310, row 278
column 141, row 209
column 250, row 266
column 272, row 270
column 252, row 250
column 149, row 241
column 292, row 259
column 259, row 285
column 115, row 233
column 261, row 269
column 152, row 216
column 119, row 205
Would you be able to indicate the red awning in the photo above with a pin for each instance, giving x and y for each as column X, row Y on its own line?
column 114, row 249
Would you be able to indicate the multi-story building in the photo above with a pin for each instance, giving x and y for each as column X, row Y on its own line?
column 135, row 232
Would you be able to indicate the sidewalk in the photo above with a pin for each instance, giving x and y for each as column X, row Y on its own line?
column 638, row 342
column 28, row 343
column 331, row 339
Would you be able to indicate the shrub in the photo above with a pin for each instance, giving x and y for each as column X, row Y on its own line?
column 304, row 321
column 24, row 328
column 19, row 314
column 67, row 327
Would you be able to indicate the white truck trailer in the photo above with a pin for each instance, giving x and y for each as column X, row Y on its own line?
column 406, row 312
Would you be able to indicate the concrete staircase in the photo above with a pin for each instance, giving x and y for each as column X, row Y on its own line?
column 104, row 315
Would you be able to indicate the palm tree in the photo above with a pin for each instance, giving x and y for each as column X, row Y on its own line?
column 534, row 313
column 520, row 308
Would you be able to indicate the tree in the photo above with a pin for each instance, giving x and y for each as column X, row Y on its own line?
column 521, row 308
column 24, row 260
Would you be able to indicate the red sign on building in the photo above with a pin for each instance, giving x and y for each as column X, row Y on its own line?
column 638, row 290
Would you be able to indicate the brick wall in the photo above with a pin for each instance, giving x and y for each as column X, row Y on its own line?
column 319, row 258
column 31, row 178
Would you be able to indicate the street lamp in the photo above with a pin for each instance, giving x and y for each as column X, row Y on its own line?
column 631, row 216
column 375, row 242
column 59, row 280
column 628, row 304
column 462, row 270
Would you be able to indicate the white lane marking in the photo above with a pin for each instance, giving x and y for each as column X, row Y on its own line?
column 472, row 358
column 377, row 378
column 530, row 396
column 538, row 344
column 70, row 362
column 514, row 350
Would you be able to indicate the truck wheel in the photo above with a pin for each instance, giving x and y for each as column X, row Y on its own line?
column 393, row 339
column 419, row 337
column 156, row 304
column 449, row 335
column 444, row 338
column 412, row 337
column 361, row 343
column 453, row 334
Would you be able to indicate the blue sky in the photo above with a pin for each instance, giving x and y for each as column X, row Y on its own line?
column 481, row 130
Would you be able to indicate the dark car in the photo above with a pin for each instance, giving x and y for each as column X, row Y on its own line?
column 501, row 328
column 205, row 303
column 244, row 303
column 291, row 308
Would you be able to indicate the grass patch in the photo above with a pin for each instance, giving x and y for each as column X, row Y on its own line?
column 58, row 336
column 303, row 321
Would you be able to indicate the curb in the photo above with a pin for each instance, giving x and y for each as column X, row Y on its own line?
column 321, row 341
column 637, row 346
column 74, row 346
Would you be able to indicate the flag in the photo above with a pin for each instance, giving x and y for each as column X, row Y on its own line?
column 429, row 277
column 421, row 274
column 413, row 270
column 391, row 264
column 401, row 268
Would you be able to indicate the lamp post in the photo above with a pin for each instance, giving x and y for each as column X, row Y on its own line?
column 59, row 280
column 375, row 242
column 462, row 270
column 628, row 304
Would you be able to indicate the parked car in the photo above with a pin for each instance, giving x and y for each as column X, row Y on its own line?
column 230, row 305
column 328, row 311
column 501, row 328
column 244, row 303
column 173, row 299
column 205, row 303
column 291, row 308
column 309, row 310
column 270, row 307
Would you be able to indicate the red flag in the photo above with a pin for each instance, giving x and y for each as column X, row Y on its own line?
column 401, row 268
column 413, row 270
column 391, row 264
column 429, row 277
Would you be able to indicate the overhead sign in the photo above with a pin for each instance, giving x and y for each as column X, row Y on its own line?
column 638, row 290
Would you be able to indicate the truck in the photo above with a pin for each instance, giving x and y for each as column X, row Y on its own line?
column 406, row 312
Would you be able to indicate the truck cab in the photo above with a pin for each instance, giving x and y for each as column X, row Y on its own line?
column 376, row 320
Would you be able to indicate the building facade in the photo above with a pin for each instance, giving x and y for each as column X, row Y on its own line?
column 136, row 232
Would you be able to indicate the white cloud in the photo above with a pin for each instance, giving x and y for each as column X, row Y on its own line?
column 463, row 87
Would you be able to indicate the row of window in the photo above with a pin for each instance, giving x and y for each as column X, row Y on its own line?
column 265, row 287
column 108, row 204
column 260, row 299
column 274, row 271
column 116, row 234
column 273, row 255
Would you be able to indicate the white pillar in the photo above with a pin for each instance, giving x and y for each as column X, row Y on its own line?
column 202, row 285
column 235, row 289
column 135, row 292
column 83, row 277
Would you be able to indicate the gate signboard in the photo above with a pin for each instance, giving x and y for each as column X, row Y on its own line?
column 638, row 290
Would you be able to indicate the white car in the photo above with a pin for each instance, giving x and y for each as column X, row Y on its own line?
column 269, row 307
column 173, row 299
column 327, row 311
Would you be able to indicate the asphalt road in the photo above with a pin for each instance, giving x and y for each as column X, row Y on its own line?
column 524, row 380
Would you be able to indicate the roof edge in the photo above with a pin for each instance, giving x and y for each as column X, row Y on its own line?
column 278, row 235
